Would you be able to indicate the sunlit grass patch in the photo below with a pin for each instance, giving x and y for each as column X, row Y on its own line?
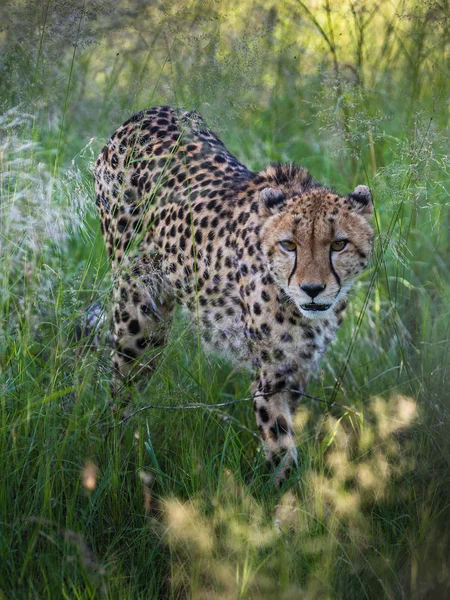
column 319, row 534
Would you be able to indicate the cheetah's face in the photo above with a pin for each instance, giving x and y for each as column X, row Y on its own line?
column 316, row 244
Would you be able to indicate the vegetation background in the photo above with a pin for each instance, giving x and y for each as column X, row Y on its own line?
column 177, row 503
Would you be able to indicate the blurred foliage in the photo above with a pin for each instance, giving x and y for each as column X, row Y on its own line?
column 339, row 68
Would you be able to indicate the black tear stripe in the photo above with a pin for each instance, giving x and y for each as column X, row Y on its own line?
column 293, row 270
column 334, row 271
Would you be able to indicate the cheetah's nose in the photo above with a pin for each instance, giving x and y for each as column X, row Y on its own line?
column 313, row 289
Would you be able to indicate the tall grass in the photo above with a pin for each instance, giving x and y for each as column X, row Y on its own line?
column 177, row 503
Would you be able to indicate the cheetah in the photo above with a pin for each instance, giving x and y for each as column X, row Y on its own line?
column 262, row 261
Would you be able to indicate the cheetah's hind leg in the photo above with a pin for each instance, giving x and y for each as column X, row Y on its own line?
column 142, row 318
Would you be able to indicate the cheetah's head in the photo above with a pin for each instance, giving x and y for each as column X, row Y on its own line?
column 316, row 243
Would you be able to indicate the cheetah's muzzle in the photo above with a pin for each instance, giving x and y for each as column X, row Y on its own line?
column 313, row 307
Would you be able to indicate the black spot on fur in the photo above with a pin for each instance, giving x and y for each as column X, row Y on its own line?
column 133, row 327
column 129, row 354
column 264, row 415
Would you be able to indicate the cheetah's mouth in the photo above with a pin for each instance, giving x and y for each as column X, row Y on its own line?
column 313, row 307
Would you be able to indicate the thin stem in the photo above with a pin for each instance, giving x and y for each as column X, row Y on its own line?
column 213, row 407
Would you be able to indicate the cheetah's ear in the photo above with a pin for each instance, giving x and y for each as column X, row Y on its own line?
column 361, row 199
column 272, row 200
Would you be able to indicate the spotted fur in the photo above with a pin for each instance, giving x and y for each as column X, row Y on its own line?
column 251, row 256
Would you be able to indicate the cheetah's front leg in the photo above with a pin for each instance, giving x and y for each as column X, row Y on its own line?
column 274, row 420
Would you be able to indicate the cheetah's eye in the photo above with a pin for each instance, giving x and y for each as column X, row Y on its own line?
column 338, row 245
column 288, row 245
